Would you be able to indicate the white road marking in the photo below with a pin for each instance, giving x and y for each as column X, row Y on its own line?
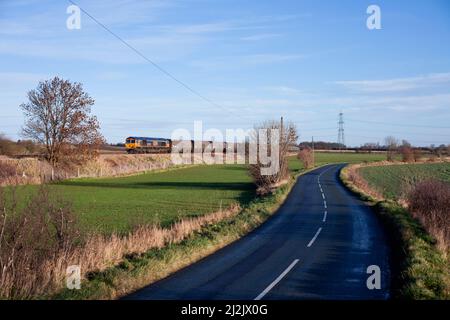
column 278, row 279
column 323, row 196
column 315, row 237
column 325, row 216
column 325, row 204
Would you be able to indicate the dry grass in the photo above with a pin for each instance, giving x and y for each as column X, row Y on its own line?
column 39, row 242
column 353, row 175
column 429, row 202
column 35, row 171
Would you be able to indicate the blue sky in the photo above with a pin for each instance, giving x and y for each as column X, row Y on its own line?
column 258, row 60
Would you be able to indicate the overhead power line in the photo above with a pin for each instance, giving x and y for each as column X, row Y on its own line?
column 380, row 138
column 157, row 66
column 398, row 124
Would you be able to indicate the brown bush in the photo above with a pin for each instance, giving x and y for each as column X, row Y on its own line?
column 407, row 154
column 7, row 171
column 31, row 237
column 8, row 174
column 418, row 155
column 429, row 202
column 306, row 156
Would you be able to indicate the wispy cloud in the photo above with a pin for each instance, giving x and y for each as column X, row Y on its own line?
column 398, row 84
column 283, row 90
column 261, row 36
column 245, row 60
column 20, row 77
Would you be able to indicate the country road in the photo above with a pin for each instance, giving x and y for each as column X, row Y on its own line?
column 317, row 246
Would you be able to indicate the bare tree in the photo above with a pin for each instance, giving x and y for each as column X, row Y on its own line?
column 391, row 146
column 58, row 117
column 287, row 138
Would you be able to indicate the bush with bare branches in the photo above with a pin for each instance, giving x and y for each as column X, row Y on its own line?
column 391, row 146
column 429, row 202
column 285, row 136
column 8, row 174
column 31, row 237
column 306, row 156
column 407, row 154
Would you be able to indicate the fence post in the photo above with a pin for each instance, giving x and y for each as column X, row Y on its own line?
column 53, row 174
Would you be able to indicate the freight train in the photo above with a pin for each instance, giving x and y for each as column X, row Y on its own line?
column 148, row 145
column 134, row 145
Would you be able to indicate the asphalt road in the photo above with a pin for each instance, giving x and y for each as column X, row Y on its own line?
column 317, row 246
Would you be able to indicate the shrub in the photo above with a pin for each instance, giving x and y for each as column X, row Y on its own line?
column 31, row 237
column 418, row 154
column 306, row 156
column 8, row 173
column 266, row 183
column 429, row 202
column 407, row 154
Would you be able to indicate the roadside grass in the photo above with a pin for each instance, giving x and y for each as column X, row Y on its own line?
column 421, row 269
column 392, row 180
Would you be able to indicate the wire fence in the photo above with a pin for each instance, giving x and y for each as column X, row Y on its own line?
column 36, row 171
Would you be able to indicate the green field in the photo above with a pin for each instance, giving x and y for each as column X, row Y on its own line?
column 322, row 158
column 117, row 204
column 392, row 180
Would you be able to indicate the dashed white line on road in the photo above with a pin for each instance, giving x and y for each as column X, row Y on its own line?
column 323, row 196
column 325, row 216
column 325, row 204
column 278, row 279
column 315, row 237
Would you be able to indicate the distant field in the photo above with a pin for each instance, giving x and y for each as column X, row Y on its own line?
column 391, row 180
column 117, row 204
column 332, row 157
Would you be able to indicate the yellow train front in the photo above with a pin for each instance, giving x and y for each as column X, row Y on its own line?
column 148, row 145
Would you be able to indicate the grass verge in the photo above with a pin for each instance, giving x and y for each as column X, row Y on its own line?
column 421, row 271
